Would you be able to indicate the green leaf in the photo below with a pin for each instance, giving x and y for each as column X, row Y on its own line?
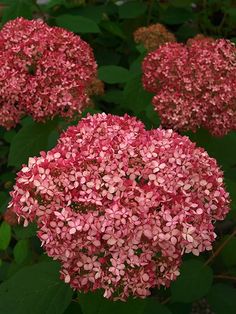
column 181, row 3
column 107, row 56
column 91, row 303
column 221, row 148
column 222, row 299
column 9, row 135
column 4, row 197
column 231, row 12
column 113, row 28
column 194, row 282
column 5, row 235
column 113, row 96
column 91, row 12
column 135, row 97
column 187, row 30
column 139, row 102
column 52, row 3
column 136, row 65
column 152, row 306
column 21, row 251
column 25, row 232
column 113, row 74
column 228, row 253
column 233, row 39
column 132, row 9
column 29, row 141
column 7, row 179
column 20, row 8
column 77, row 24
column 74, row 308
column 95, row 303
column 180, row 308
column 174, row 16
column 35, row 289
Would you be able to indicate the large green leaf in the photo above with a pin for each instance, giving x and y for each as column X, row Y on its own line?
column 113, row 74
column 21, row 251
column 221, row 148
column 135, row 97
column 5, row 235
column 181, row 3
column 77, row 24
column 4, row 197
column 9, row 135
column 222, row 299
column 174, row 15
column 228, row 253
column 113, row 28
column 132, row 9
column 95, row 303
column 73, row 308
column 194, row 282
column 231, row 14
column 139, row 101
column 152, row 306
column 35, row 290
column 180, row 308
column 25, row 232
column 113, row 96
column 19, row 8
column 91, row 12
column 52, row 3
column 29, row 141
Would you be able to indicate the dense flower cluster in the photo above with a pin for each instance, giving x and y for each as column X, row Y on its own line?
column 153, row 36
column 118, row 206
column 194, row 84
column 44, row 71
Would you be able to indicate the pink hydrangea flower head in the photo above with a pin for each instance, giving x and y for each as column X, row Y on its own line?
column 45, row 71
column 118, row 206
column 194, row 84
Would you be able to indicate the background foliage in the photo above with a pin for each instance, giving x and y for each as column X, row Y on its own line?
column 29, row 280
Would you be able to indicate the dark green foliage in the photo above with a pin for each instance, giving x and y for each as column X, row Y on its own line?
column 35, row 289
column 113, row 74
column 94, row 303
column 77, row 24
column 29, row 141
column 194, row 283
column 5, row 235
column 222, row 299
column 29, row 281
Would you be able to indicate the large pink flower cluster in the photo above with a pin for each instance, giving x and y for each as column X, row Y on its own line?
column 118, row 206
column 44, row 72
column 194, row 84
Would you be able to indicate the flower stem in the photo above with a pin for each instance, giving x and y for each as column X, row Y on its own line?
column 226, row 277
column 220, row 248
